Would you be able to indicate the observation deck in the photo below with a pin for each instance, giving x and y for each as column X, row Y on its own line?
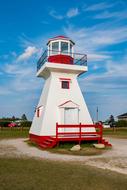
column 58, row 57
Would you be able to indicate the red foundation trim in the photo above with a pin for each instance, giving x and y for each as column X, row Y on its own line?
column 37, row 138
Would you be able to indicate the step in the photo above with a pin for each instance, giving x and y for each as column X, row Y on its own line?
column 105, row 142
column 109, row 144
column 42, row 146
column 47, row 144
column 50, row 140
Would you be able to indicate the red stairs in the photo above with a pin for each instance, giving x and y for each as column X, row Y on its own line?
column 48, row 142
column 106, row 143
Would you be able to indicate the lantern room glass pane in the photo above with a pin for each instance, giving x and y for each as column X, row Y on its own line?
column 64, row 47
column 49, row 50
column 70, row 49
column 55, row 48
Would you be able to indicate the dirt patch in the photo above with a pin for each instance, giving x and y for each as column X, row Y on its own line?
column 114, row 159
column 6, row 150
column 118, row 164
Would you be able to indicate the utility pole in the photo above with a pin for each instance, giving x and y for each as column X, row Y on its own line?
column 97, row 113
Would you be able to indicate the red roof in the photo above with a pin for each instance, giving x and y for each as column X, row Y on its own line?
column 60, row 37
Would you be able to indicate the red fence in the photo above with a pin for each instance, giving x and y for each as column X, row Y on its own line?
column 80, row 133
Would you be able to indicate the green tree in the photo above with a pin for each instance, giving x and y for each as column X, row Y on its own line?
column 13, row 117
column 24, row 117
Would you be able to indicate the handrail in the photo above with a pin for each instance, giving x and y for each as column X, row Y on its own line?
column 80, row 132
column 78, row 58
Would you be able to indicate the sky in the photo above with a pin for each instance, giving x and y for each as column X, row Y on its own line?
column 99, row 29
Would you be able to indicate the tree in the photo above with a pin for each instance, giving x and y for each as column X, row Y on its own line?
column 24, row 117
column 112, row 121
column 13, row 117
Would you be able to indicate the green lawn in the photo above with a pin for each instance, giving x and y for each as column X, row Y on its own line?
column 30, row 174
column 120, row 132
column 13, row 133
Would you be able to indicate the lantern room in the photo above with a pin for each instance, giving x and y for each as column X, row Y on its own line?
column 60, row 50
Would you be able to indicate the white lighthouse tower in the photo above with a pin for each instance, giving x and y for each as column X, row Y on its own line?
column 61, row 113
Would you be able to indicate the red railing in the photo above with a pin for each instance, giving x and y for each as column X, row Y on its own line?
column 79, row 134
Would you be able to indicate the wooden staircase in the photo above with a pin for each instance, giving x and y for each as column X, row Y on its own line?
column 48, row 142
column 106, row 143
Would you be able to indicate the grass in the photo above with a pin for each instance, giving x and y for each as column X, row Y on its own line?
column 120, row 132
column 87, row 149
column 6, row 132
column 30, row 174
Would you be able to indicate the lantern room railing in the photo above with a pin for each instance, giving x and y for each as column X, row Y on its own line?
column 78, row 58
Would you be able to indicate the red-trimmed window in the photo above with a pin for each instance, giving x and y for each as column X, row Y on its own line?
column 65, row 84
column 38, row 112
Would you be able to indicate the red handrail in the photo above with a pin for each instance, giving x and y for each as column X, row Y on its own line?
column 80, row 133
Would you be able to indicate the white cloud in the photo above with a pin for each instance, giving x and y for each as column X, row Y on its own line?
column 4, row 90
column 97, row 57
column 18, row 69
column 99, row 6
column 106, row 15
column 91, row 40
column 54, row 14
column 25, row 41
column 29, row 51
column 72, row 12
column 21, row 78
column 115, row 69
column 114, row 77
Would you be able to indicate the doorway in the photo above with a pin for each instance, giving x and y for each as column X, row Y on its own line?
column 71, row 116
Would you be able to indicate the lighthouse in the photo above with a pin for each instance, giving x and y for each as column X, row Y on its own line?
column 62, row 113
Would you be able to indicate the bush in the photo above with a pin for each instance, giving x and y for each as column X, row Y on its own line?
column 4, row 123
column 121, row 123
column 26, row 124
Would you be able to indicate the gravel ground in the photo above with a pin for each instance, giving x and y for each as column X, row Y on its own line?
column 114, row 159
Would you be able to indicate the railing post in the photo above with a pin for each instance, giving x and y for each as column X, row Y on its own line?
column 80, row 131
column 56, row 131
column 101, row 126
column 100, row 132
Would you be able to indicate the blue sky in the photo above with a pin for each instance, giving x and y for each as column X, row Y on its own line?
column 99, row 29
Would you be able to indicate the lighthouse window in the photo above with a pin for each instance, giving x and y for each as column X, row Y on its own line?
column 38, row 112
column 55, row 47
column 64, row 47
column 65, row 84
